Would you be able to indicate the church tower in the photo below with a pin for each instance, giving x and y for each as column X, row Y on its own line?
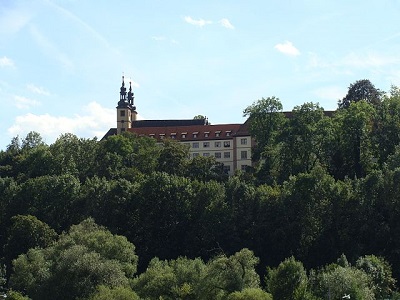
column 126, row 111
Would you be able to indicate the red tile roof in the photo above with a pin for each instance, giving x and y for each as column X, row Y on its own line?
column 204, row 132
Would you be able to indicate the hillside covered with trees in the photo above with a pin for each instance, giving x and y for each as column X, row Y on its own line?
column 317, row 217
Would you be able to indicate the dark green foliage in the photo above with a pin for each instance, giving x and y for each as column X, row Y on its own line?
column 26, row 232
column 320, row 186
column 288, row 281
column 117, row 293
column 72, row 267
column 361, row 90
column 250, row 294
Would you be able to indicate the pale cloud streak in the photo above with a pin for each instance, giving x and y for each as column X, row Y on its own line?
column 6, row 62
column 158, row 38
column 354, row 60
column 37, row 90
column 199, row 22
column 51, row 49
column 287, row 48
column 13, row 20
column 225, row 23
column 79, row 21
column 24, row 103
column 94, row 121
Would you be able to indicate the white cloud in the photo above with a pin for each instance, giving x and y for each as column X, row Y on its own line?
column 24, row 103
column 6, row 62
column 199, row 22
column 287, row 48
column 13, row 20
column 225, row 23
column 158, row 38
column 37, row 90
column 94, row 121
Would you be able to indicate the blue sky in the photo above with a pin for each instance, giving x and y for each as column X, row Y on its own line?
column 61, row 61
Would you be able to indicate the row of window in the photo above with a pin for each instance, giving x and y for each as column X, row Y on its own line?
column 195, row 135
column 217, row 144
column 243, row 154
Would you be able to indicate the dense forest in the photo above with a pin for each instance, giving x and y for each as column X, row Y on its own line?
column 316, row 217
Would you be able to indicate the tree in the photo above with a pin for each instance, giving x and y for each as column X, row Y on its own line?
column 361, row 90
column 334, row 281
column 51, row 199
column 288, row 281
column 117, row 293
column 265, row 120
column 82, row 259
column 171, row 279
column 32, row 140
column 26, row 232
column 13, row 295
column 386, row 130
column 173, row 157
column 226, row 275
column 250, row 294
column 3, row 280
column 355, row 154
column 75, row 156
column 379, row 270
column 205, row 169
column 163, row 216
column 305, row 141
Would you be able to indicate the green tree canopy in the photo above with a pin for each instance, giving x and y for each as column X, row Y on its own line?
column 83, row 258
column 361, row 90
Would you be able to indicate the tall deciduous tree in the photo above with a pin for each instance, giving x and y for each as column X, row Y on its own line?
column 361, row 90
column 226, row 275
column 85, row 257
column 265, row 120
column 288, row 281
column 26, row 232
column 305, row 141
column 355, row 154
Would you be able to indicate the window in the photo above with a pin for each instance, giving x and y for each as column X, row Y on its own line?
column 151, row 135
column 227, row 169
column 227, row 144
column 195, row 145
column 217, row 144
column 195, row 135
column 228, row 133
column 184, row 135
column 195, row 154
column 206, row 144
column 206, row 154
column 162, row 135
column 217, row 154
column 243, row 141
column 206, row 134
column 173, row 136
column 227, row 155
column 122, row 113
column 217, row 133
column 243, row 154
